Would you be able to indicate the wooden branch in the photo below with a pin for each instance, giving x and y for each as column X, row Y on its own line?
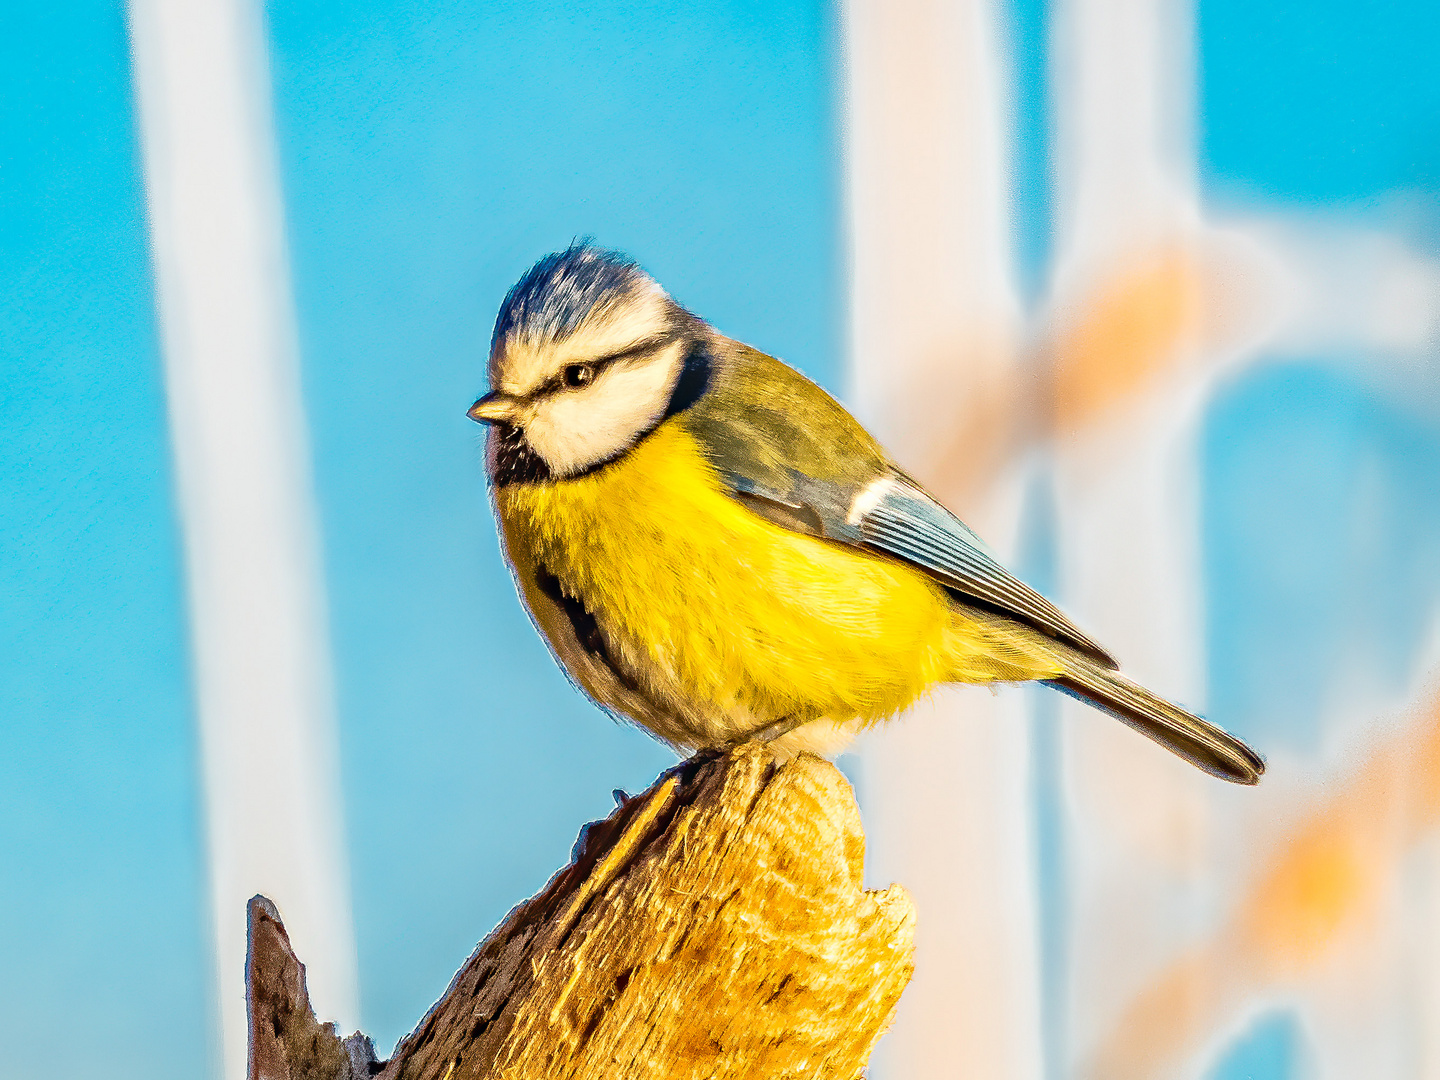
column 714, row 926
column 286, row 1041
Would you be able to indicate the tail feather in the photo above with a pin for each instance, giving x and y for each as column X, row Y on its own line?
column 1196, row 740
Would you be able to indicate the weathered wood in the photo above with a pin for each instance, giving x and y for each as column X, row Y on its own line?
column 286, row 1041
column 714, row 926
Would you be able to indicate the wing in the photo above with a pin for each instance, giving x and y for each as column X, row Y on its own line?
column 792, row 454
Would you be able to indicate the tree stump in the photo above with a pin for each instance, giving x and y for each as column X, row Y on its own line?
column 713, row 927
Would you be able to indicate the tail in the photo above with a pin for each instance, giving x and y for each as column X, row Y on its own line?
column 1196, row 740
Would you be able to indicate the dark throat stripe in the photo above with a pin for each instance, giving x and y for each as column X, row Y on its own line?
column 514, row 462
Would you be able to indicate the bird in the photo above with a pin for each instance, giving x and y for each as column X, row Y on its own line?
column 716, row 550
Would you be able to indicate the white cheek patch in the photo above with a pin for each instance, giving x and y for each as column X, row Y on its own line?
column 575, row 429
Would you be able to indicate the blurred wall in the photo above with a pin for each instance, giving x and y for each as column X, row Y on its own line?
column 1211, row 274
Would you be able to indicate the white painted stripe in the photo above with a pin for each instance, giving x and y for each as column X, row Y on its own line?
column 934, row 327
column 257, row 614
column 1139, row 837
column 1123, row 74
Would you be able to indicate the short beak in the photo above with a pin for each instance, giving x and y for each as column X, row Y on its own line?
column 494, row 408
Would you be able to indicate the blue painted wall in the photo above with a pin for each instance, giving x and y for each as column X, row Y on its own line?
column 103, row 950
column 1322, row 483
column 429, row 155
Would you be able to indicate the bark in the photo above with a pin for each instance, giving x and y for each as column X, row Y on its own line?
column 714, row 926
column 286, row 1041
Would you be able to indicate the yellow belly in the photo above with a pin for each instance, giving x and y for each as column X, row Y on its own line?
column 749, row 621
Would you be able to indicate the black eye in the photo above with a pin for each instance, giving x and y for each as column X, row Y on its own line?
column 579, row 374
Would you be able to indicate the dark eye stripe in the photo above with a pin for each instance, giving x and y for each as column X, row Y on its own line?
column 559, row 382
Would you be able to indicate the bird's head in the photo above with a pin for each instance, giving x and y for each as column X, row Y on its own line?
column 587, row 356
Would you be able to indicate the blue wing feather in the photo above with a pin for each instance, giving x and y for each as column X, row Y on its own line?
column 908, row 524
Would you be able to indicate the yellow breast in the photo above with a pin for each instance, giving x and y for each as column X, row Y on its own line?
column 719, row 606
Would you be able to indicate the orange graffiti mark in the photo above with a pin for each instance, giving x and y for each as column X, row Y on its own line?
column 1300, row 908
column 1141, row 322
column 1324, row 886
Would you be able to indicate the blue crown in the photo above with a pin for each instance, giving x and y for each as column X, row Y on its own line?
column 558, row 292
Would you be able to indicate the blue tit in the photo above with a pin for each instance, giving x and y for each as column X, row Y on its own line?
column 716, row 550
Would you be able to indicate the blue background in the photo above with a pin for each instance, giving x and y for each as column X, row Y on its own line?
column 428, row 157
